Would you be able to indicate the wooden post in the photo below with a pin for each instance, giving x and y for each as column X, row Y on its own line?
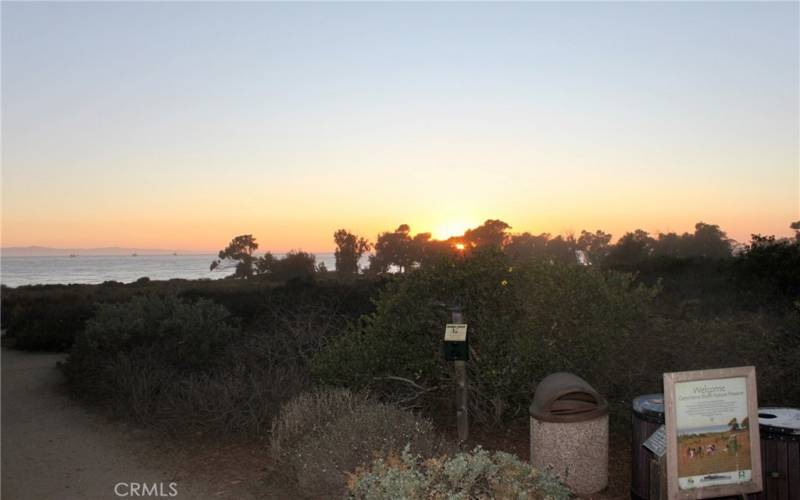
column 462, row 391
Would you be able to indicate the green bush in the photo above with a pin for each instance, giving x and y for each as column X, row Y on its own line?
column 321, row 436
column 49, row 317
column 768, row 341
column 474, row 475
column 129, row 352
column 186, row 367
column 46, row 318
column 525, row 322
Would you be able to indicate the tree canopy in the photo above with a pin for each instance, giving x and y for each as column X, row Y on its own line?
column 240, row 252
column 349, row 250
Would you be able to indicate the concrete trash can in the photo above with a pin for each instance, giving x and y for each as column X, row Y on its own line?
column 569, row 432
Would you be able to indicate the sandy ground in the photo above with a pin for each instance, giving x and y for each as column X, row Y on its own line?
column 52, row 448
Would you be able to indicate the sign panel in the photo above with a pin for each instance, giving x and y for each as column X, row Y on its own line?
column 657, row 442
column 712, row 449
column 455, row 332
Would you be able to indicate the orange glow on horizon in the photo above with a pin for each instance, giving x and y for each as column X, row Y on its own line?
column 450, row 229
column 460, row 247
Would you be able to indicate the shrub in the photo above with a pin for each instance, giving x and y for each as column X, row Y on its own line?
column 185, row 367
column 49, row 317
column 525, row 321
column 477, row 474
column 129, row 352
column 45, row 317
column 323, row 435
column 307, row 412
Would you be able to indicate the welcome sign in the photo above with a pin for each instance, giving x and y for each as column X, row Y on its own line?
column 712, row 448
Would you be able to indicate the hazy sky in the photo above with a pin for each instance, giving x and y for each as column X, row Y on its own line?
column 181, row 125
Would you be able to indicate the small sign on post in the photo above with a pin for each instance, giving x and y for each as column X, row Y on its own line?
column 456, row 349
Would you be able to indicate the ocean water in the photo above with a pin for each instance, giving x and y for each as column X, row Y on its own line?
column 93, row 269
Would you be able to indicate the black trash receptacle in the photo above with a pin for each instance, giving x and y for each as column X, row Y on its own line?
column 779, row 429
column 646, row 417
column 569, row 432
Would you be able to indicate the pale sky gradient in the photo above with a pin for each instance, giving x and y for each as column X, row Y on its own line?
column 181, row 125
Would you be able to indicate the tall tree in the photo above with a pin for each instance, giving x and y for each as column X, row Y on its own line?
column 492, row 233
column 562, row 249
column 671, row 245
column 525, row 246
column 295, row 265
column 239, row 251
column 349, row 249
column 710, row 241
column 265, row 264
column 594, row 245
column 633, row 248
column 393, row 249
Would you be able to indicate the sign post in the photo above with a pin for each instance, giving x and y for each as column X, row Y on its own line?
column 456, row 349
column 712, row 438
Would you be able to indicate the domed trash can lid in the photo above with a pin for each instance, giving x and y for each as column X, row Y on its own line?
column 565, row 397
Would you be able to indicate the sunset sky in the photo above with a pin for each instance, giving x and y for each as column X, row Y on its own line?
column 181, row 125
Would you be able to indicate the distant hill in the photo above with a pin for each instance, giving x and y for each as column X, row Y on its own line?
column 36, row 251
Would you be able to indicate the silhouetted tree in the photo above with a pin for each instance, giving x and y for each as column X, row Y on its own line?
column 349, row 249
column 710, row 241
column 562, row 249
column 421, row 247
column 526, row 246
column 594, row 245
column 671, row 245
column 796, row 226
column 632, row 249
column 239, row 250
column 265, row 263
column 429, row 251
column 771, row 265
column 393, row 248
column 492, row 233
column 295, row 265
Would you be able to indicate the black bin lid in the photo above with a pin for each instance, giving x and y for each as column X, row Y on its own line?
column 565, row 397
column 783, row 422
column 650, row 407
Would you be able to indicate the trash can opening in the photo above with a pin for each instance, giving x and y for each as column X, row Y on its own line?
column 565, row 397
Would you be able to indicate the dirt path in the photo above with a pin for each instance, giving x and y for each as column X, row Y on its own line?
column 52, row 448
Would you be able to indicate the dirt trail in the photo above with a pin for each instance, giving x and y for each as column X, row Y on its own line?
column 52, row 448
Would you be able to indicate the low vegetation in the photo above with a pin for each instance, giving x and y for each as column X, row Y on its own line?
column 49, row 317
column 320, row 437
column 478, row 474
column 188, row 366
